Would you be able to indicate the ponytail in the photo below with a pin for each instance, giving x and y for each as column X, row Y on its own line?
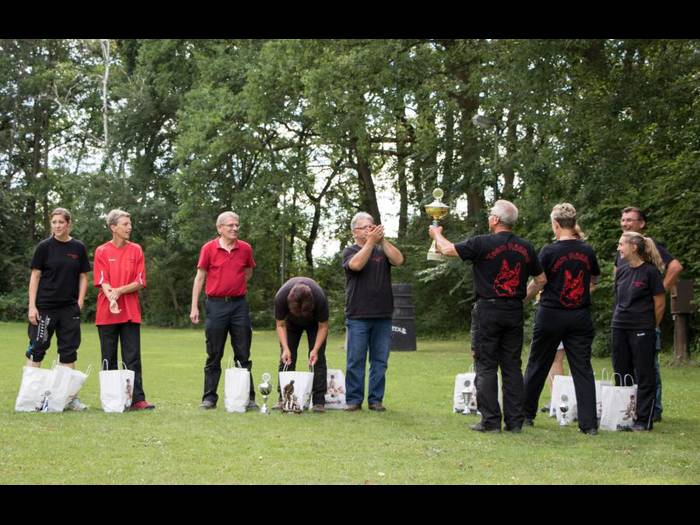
column 578, row 233
column 652, row 255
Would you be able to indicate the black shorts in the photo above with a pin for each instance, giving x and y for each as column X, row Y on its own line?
column 65, row 323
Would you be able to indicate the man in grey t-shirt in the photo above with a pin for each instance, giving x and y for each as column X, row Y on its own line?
column 368, row 310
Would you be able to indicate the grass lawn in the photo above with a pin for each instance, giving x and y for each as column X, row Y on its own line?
column 417, row 441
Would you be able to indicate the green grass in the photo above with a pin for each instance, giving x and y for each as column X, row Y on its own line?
column 418, row 440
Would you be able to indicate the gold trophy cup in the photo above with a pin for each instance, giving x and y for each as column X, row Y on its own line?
column 437, row 210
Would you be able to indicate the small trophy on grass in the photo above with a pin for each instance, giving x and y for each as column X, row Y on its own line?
column 265, row 388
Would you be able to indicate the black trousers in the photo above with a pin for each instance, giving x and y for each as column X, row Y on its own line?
column 294, row 333
column 65, row 323
column 575, row 329
column 497, row 341
column 633, row 353
column 130, row 336
column 226, row 318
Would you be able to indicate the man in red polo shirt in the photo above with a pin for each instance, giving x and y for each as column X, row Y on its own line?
column 226, row 264
column 120, row 272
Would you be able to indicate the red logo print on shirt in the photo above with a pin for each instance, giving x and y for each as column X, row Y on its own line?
column 639, row 284
column 572, row 293
column 507, row 280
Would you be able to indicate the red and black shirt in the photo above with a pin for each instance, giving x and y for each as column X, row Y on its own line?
column 502, row 263
column 568, row 265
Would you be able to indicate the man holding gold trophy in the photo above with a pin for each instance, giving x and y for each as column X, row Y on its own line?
column 502, row 263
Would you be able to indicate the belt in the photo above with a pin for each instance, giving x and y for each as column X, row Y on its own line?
column 226, row 299
column 501, row 300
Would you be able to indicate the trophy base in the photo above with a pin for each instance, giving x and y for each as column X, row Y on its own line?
column 435, row 256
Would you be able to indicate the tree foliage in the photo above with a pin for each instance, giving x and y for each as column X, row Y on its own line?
column 298, row 135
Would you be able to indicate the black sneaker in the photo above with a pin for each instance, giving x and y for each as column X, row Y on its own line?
column 207, row 404
column 514, row 430
column 479, row 427
column 527, row 422
column 639, row 427
column 589, row 431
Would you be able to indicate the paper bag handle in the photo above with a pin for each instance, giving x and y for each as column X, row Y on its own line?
column 105, row 364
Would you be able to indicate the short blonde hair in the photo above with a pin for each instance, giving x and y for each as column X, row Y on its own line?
column 565, row 215
column 114, row 216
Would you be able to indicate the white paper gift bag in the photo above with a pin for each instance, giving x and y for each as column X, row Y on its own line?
column 563, row 404
column 599, row 384
column 59, row 387
column 116, row 388
column 296, row 390
column 335, row 389
column 619, row 405
column 34, row 390
column 236, row 389
column 465, row 384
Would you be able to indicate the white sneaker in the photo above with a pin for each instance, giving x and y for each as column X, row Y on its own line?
column 76, row 405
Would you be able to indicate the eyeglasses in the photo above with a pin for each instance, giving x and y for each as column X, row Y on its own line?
column 363, row 227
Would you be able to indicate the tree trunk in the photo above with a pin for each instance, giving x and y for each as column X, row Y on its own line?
column 511, row 146
column 401, row 152
column 313, row 234
column 368, row 195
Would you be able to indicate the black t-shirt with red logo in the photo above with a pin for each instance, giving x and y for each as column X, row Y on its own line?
column 61, row 264
column 502, row 264
column 635, row 289
column 568, row 265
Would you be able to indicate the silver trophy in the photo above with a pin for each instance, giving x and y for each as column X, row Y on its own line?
column 265, row 388
column 564, row 409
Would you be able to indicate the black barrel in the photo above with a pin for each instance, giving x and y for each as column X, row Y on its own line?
column 403, row 321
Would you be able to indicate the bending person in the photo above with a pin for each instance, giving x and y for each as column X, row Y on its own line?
column 301, row 305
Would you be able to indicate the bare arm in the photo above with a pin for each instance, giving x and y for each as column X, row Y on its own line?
column 443, row 246
column 196, row 290
column 673, row 272
column 248, row 272
column 281, row 329
column 82, row 289
column 33, row 313
column 392, row 253
column 126, row 289
column 359, row 260
column 320, row 339
column 535, row 285
column 659, row 307
column 594, row 283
